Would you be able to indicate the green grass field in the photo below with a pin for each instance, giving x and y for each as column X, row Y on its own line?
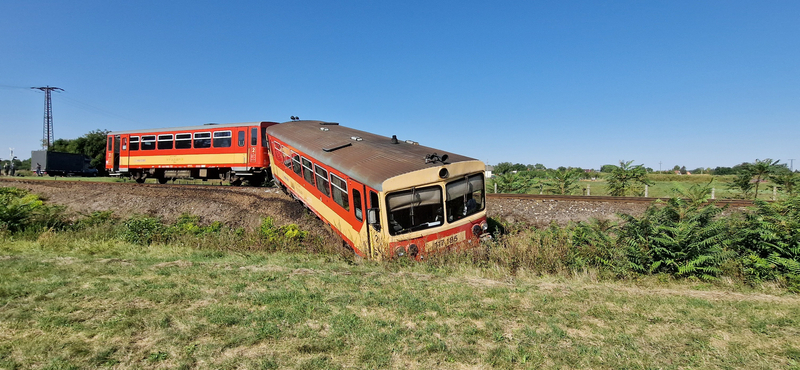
column 73, row 304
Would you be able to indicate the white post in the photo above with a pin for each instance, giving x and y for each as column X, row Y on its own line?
column 774, row 192
column 646, row 188
column 713, row 190
column 588, row 189
column 495, row 188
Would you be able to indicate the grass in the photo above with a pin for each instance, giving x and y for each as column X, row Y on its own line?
column 105, row 303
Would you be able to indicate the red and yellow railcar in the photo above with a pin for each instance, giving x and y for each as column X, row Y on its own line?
column 232, row 152
column 385, row 198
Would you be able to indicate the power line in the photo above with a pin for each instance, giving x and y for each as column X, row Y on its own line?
column 47, row 132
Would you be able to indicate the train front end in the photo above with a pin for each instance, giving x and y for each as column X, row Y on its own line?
column 434, row 210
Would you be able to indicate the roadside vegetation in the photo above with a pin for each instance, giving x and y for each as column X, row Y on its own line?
column 683, row 285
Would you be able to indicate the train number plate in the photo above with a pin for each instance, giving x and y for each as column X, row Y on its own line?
column 446, row 241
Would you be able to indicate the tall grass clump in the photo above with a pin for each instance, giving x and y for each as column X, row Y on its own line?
column 21, row 211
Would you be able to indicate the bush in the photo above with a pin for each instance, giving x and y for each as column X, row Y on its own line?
column 20, row 210
column 143, row 230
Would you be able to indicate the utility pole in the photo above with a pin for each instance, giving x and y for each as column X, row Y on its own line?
column 791, row 164
column 47, row 132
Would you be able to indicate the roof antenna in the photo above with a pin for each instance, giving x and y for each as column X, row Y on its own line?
column 295, row 118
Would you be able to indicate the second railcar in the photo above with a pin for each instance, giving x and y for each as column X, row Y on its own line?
column 234, row 152
column 385, row 197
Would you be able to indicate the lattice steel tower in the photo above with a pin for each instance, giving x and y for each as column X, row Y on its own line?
column 47, row 132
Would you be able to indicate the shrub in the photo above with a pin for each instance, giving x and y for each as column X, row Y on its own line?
column 143, row 230
column 20, row 210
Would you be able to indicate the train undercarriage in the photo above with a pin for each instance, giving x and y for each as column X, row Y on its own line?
column 253, row 177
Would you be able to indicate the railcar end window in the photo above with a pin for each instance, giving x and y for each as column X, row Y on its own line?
column 222, row 139
column 165, row 141
column 357, row 204
column 264, row 141
column 183, row 141
column 253, row 136
column 148, row 142
column 110, row 143
column 322, row 180
column 308, row 174
column 415, row 209
column 296, row 164
column 339, row 192
column 202, row 140
column 240, row 138
column 465, row 197
column 134, row 143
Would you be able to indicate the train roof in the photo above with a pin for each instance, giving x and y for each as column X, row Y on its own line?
column 368, row 158
column 207, row 126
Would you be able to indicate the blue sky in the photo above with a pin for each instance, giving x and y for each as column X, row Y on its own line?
column 563, row 83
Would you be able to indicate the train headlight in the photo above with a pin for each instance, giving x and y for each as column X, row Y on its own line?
column 413, row 250
column 485, row 226
column 476, row 230
column 399, row 251
column 444, row 173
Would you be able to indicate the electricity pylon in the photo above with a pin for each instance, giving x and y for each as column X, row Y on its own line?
column 47, row 132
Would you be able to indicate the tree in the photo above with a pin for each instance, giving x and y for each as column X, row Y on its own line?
column 761, row 170
column 787, row 181
column 513, row 183
column 563, row 182
column 743, row 183
column 607, row 168
column 626, row 179
column 502, row 167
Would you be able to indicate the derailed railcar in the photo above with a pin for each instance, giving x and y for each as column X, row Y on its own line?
column 233, row 152
column 386, row 198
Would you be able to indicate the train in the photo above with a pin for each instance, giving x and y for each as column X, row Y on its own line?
column 384, row 197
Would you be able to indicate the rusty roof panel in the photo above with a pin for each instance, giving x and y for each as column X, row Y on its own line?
column 371, row 160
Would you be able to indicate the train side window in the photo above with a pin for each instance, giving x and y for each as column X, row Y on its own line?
column 254, row 136
column 183, row 141
column 165, row 141
column 222, row 139
column 322, row 180
column 134, row 143
column 110, row 143
column 339, row 192
column 373, row 200
column 357, row 204
column 202, row 140
column 148, row 142
column 240, row 137
column 296, row 165
column 308, row 174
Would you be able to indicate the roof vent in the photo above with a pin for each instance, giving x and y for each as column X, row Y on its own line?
column 324, row 129
column 210, row 124
column 412, row 142
column 394, row 139
column 329, row 123
column 356, row 138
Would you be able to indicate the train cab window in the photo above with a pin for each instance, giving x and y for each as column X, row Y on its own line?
column 240, row 138
column 415, row 209
column 148, row 142
column 165, row 141
column 296, row 164
column 183, row 141
column 465, row 197
column 202, row 140
column 373, row 200
column 110, row 143
column 222, row 139
column 322, row 180
column 134, row 143
column 357, row 204
column 339, row 192
column 264, row 141
column 254, row 136
column 308, row 174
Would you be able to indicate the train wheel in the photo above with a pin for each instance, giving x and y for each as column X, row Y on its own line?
column 162, row 180
column 255, row 180
column 235, row 181
column 139, row 180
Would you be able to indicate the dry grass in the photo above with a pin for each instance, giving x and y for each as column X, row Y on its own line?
column 119, row 306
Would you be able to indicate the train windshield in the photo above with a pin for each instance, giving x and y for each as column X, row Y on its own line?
column 465, row 197
column 415, row 209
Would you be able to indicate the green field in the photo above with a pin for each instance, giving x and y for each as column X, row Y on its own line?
column 67, row 303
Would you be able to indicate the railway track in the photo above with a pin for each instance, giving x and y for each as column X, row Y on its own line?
column 607, row 199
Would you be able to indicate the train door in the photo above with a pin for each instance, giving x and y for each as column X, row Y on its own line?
column 252, row 147
column 122, row 162
column 116, row 152
column 378, row 245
